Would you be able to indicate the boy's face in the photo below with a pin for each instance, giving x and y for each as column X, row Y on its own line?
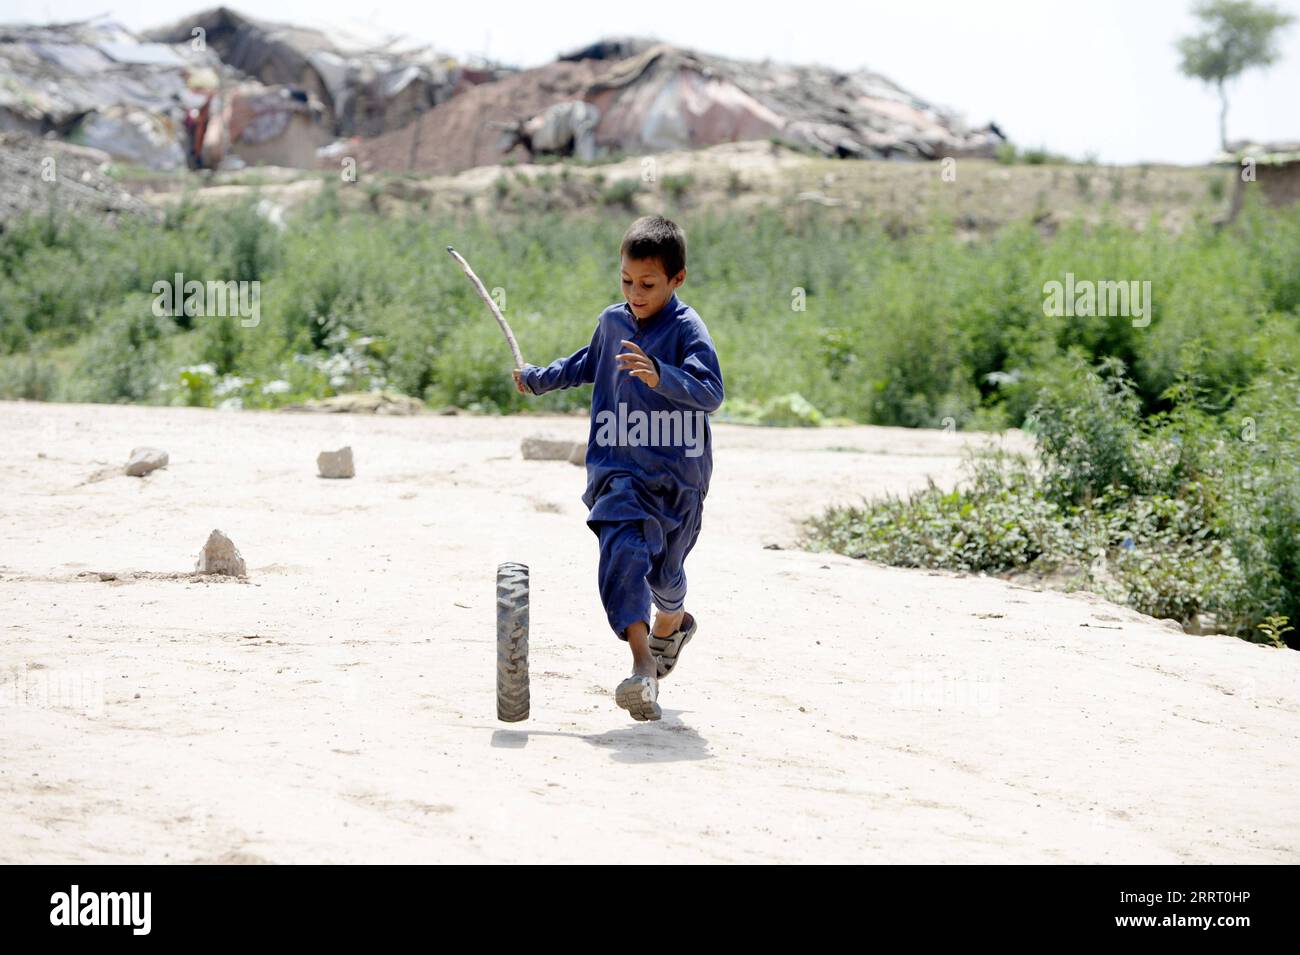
column 646, row 287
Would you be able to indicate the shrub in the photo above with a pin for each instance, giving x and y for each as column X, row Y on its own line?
column 994, row 524
column 29, row 377
column 678, row 187
column 126, row 356
column 1173, row 515
column 1087, row 428
column 622, row 193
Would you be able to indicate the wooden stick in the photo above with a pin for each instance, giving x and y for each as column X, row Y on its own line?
column 483, row 294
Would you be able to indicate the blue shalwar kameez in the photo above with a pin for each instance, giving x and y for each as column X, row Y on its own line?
column 649, row 452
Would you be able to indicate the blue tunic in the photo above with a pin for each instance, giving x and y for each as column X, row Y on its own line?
column 633, row 446
column 649, row 451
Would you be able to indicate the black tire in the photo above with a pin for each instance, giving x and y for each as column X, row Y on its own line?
column 512, row 642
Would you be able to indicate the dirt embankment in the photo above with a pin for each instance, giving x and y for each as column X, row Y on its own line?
column 901, row 196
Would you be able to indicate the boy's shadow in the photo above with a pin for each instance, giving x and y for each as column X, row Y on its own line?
column 666, row 740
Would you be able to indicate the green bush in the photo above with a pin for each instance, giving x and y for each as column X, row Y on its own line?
column 29, row 377
column 1176, row 514
column 1261, row 497
column 925, row 329
column 996, row 523
column 622, row 193
column 678, row 187
column 1088, row 432
column 126, row 357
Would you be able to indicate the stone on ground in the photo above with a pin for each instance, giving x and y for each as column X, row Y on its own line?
column 336, row 464
column 537, row 448
column 145, row 460
column 219, row 556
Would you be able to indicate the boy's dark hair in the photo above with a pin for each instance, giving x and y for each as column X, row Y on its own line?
column 654, row 237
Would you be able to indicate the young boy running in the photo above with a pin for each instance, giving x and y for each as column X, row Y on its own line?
column 649, row 451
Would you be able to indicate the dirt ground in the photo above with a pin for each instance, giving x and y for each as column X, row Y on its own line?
column 338, row 706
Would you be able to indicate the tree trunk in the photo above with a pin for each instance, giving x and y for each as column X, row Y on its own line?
column 1223, row 117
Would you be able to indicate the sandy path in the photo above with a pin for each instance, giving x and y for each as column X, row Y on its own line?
column 339, row 706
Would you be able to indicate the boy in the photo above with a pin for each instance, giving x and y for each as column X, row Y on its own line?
column 649, row 452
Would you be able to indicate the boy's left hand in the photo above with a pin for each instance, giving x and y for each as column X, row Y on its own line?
column 638, row 364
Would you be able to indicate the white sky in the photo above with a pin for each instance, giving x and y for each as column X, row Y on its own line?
column 1083, row 76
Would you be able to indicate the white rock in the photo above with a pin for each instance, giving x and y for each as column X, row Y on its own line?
column 335, row 464
column 537, row 448
column 219, row 556
column 144, row 460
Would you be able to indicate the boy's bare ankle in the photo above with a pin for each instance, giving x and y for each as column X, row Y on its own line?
column 645, row 668
column 638, row 640
column 668, row 623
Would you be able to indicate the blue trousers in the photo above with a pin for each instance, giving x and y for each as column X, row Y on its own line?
column 642, row 556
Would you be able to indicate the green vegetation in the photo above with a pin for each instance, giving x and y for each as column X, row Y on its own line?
column 1009, row 154
column 1195, row 510
column 908, row 330
column 621, row 194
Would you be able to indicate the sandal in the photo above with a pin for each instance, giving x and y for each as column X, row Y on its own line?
column 639, row 696
column 667, row 650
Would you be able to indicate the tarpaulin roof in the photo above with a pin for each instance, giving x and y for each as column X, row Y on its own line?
column 97, row 84
column 368, row 83
column 54, row 75
column 671, row 98
column 653, row 97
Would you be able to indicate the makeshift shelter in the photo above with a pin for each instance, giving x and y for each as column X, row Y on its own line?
column 155, row 104
column 671, row 98
column 610, row 48
column 274, row 126
column 368, row 84
column 93, row 82
column 465, row 131
column 652, row 97
column 567, row 128
column 1272, row 168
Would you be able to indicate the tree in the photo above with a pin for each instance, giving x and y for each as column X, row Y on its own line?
column 1238, row 34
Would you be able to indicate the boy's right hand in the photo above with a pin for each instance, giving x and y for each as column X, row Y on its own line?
column 519, row 383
